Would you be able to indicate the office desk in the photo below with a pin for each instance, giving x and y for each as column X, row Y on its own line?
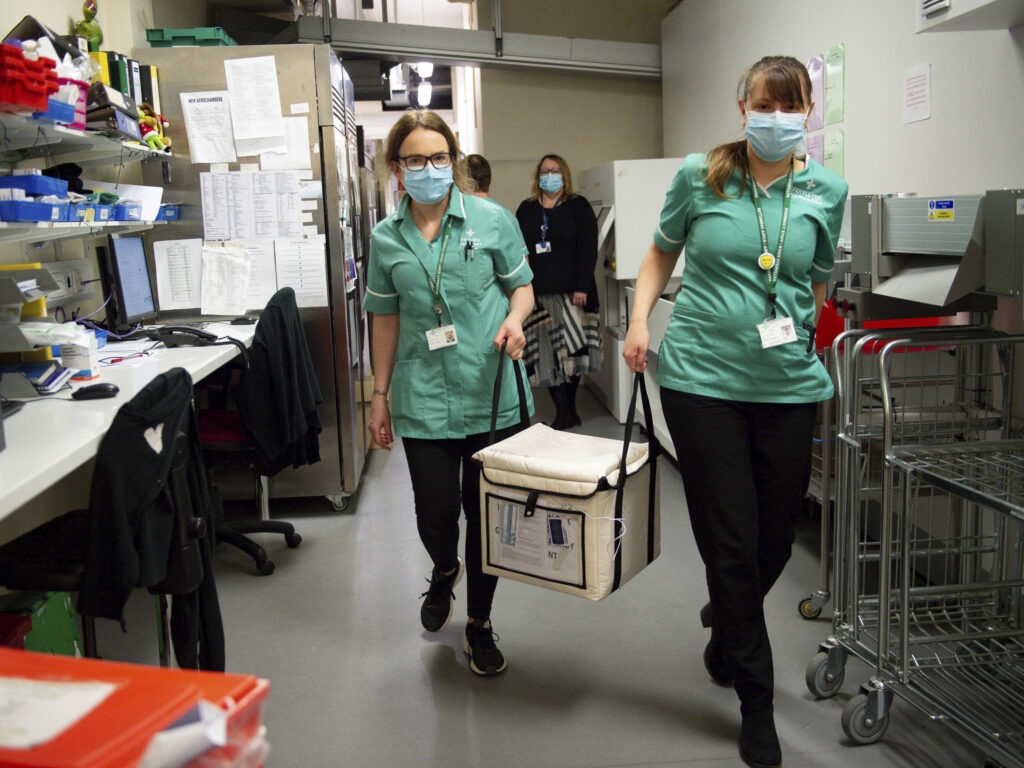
column 51, row 437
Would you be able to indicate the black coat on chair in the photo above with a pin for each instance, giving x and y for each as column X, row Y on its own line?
column 279, row 394
column 132, row 522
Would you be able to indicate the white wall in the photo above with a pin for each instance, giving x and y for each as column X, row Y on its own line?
column 971, row 143
column 123, row 22
column 587, row 119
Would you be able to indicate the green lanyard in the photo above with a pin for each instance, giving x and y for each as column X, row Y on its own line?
column 767, row 261
column 435, row 284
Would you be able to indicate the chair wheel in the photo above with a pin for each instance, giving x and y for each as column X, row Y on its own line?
column 292, row 540
column 265, row 568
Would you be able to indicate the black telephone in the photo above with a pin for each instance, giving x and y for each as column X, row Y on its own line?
column 180, row 336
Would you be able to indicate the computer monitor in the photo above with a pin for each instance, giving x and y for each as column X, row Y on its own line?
column 127, row 284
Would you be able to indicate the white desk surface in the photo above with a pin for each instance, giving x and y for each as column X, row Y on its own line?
column 52, row 436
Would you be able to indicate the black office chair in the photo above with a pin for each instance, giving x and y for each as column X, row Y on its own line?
column 145, row 527
column 275, row 422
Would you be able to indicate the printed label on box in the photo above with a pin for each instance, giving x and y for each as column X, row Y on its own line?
column 547, row 544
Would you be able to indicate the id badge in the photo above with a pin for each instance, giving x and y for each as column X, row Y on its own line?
column 777, row 332
column 441, row 337
column 543, row 247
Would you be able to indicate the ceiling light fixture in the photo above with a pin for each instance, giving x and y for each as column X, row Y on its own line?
column 423, row 93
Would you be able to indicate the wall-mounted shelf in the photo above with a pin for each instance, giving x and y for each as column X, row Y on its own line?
column 17, row 287
column 971, row 16
column 43, row 231
column 22, row 138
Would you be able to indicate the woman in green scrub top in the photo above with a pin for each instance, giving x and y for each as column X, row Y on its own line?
column 738, row 374
column 448, row 284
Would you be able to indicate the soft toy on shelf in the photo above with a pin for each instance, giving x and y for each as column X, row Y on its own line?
column 88, row 27
column 150, row 124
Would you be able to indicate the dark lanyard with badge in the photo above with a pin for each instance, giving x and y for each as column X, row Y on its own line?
column 775, row 330
column 442, row 335
column 544, row 246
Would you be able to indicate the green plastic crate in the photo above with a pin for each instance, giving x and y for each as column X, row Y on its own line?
column 54, row 621
column 168, row 38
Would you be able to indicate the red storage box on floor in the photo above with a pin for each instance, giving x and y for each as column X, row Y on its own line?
column 146, row 701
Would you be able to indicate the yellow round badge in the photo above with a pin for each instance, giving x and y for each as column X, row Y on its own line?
column 766, row 261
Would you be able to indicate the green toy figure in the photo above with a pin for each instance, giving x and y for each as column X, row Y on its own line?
column 88, row 27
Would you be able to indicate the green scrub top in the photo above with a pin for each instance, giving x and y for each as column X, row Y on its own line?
column 447, row 392
column 712, row 346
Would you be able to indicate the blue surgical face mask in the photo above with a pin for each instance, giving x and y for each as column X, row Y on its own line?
column 428, row 185
column 551, row 182
column 773, row 135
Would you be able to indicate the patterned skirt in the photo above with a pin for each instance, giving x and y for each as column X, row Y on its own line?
column 562, row 341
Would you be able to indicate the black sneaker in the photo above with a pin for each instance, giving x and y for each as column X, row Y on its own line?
column 484, row 657
column 437, row 607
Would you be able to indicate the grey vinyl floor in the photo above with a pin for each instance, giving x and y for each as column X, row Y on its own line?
column 355, row 681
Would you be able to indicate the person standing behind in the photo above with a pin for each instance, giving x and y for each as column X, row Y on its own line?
column 563, row 332
column 737, row 370
column 480, row 172
column 448, row 284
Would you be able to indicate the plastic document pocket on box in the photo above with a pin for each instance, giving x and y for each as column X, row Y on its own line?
column 555, row 514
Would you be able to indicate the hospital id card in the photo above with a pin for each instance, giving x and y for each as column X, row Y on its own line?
column 441, row 337
column 776, row 332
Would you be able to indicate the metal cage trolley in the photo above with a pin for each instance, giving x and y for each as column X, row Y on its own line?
column 945, row 631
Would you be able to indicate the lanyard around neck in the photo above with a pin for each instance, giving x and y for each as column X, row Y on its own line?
column 767, row 261
column 435, row 284
column 544, row 214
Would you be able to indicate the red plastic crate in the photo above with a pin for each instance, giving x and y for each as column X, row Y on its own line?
column 148, row 699
column 25, row 86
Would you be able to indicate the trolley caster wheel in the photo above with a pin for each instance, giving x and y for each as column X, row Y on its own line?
column 338, row 502
column 822, row 682
column 265, row 567
column 292, row 540
column 858, row 725
column 808, row 610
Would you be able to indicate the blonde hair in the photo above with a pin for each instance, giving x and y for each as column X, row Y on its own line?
column 785, row 79
column 568, row 190
column 431, row 121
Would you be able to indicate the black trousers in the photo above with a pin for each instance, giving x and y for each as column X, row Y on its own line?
column 435, row 467
column 745, row 470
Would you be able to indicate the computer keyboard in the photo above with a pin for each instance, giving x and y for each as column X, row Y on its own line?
column 10, row 407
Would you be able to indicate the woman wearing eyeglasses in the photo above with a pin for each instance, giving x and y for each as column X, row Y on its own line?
column 563, row 332
column 448, row 283
column 739, row 379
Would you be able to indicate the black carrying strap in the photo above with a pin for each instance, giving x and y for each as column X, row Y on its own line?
column 524, row 415
column 653, row 452
column 639, row 388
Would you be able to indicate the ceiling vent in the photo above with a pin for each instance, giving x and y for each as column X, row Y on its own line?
column 929, row 7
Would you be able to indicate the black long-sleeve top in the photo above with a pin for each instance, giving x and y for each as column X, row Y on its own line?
column 572, row 233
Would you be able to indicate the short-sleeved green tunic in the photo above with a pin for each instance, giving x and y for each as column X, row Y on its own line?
column 447, row 392
column 712, row 346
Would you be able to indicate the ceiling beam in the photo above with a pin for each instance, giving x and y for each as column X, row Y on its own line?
column 413, row 42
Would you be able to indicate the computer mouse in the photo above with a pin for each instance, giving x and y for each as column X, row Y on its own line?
column 244, row 320
column 95, row 391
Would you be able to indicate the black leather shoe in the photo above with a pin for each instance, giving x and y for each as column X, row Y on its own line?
column 759, row 743
column 717, row 665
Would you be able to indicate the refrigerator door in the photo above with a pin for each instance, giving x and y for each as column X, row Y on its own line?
column 311, row 83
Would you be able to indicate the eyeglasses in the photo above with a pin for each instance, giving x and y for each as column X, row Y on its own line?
column 440, row 161
column 549, row 171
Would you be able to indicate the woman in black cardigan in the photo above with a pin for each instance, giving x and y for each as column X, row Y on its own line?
column 562, row 333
